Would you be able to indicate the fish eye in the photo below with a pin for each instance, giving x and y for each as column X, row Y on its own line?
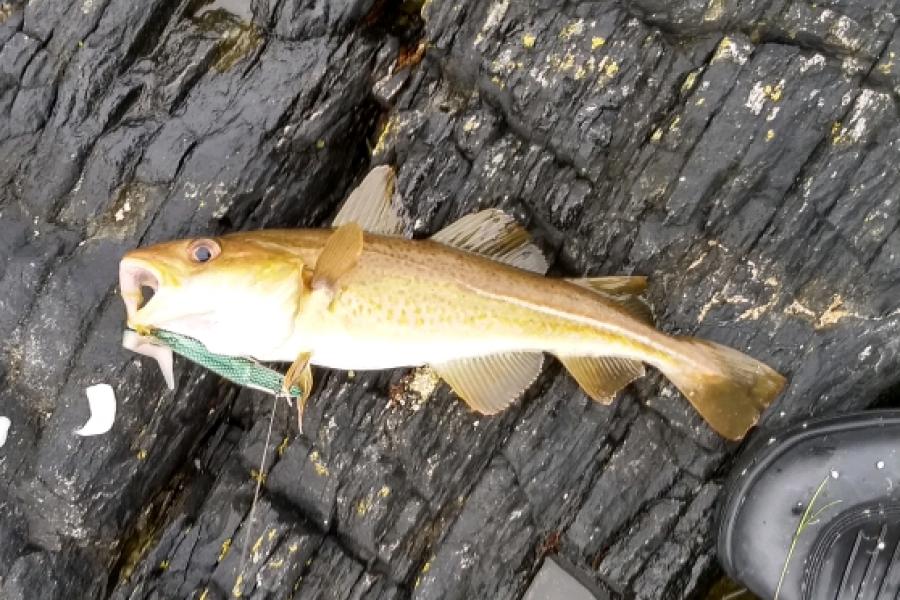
column 202, row 251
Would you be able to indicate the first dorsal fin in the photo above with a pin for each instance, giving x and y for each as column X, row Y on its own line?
column 602, row 376
column 370, row 204
column 621, row 290
column 488, row 384
column 496, row 235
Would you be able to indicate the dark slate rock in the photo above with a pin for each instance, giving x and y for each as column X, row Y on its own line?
column 742, row 155
column 487, row 551
column 39, row 574
column 332, row 575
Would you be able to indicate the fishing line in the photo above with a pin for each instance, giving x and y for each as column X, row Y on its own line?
column 244, row 372
column 259, row 480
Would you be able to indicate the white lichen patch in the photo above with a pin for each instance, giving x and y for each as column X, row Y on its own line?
column 504, row 64
column 796, row 308
column 575, row 28
column 471, row 124
column 120, row 214
column 846, row 32
column 714, row 10
column 834, row 313
column 222, row 199
column 816, row 60
column 760, row 93
column 754, row 313
column 494, row 18
column 697, row 261
column 102, row 404
column 857, row 126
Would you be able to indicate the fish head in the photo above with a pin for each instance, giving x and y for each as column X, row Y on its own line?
column 232, row 293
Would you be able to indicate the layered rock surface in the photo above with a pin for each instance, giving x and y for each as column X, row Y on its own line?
column 743, row 156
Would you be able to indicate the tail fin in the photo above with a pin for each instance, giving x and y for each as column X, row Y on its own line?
column 729, row 389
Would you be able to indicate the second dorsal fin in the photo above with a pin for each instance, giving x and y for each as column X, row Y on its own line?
column 496, row 235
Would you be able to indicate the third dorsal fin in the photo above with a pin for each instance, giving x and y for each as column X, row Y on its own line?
column 494, row 234
column 614, row 284
column 623, row 291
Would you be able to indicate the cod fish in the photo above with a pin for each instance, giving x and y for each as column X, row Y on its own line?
column 472, row 302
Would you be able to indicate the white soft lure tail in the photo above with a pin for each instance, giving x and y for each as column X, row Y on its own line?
column 5, row 424
column 133, row 341
column 102, row 403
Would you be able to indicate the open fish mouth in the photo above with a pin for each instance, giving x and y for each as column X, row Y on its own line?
column 138, row 283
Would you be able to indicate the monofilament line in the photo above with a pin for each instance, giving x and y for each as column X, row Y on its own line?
column 259, row 479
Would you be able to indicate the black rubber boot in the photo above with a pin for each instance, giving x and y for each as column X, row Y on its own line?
column 814, row 513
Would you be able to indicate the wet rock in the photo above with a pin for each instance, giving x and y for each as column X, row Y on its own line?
column 741, row 156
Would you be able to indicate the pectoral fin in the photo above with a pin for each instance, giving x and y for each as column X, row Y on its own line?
column 488, row 384
column 602, row 376
column 338, row 257
column 494, row 234
column 369, row 205
column 299, row 375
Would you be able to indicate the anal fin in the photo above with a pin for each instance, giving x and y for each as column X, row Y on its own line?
column 489, row 384
column 602, row 376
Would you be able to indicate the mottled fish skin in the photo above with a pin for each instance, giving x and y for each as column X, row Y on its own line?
column 415, row 295
column 345, row 299
column 429, row 303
